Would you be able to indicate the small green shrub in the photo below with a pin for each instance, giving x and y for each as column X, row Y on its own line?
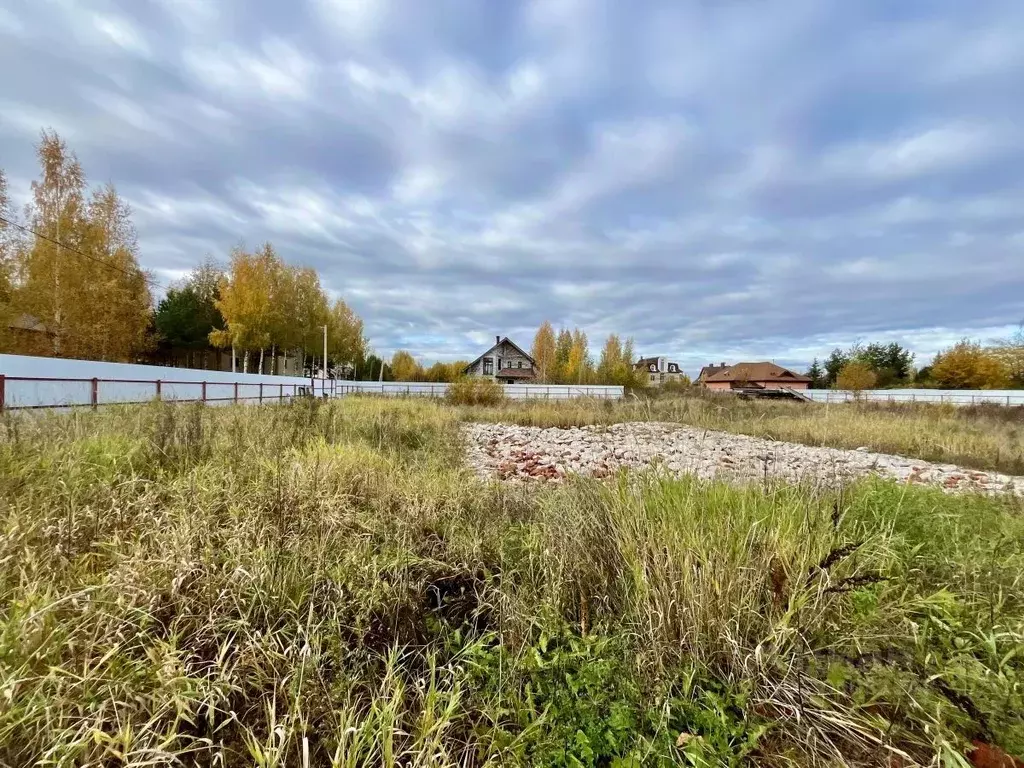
column 475, row 391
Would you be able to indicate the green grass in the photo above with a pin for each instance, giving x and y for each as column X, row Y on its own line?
column 324, row 584
column 989, row 438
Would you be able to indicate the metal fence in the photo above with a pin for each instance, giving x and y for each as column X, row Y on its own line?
column 512, row 391
column 18, row 393
column 41, row 392
column 952, row 396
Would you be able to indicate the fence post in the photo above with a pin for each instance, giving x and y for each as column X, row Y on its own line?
column 3, row 392
column 280, row 394
column 95, row 393
column 261, row 393
column 159, row 391
column 236, row 391
column 204, row 392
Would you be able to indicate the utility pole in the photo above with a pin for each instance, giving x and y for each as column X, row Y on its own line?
column 325, row 353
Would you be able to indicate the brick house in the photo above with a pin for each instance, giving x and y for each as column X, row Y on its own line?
column 708, row 370
column 762, row 375
column 658, row 370
column 505, row 362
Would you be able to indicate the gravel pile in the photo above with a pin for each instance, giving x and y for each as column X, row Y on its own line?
column 527, row 454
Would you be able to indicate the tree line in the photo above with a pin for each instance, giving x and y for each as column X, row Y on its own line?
column 559, row 358
column 968, row 364
column 71, row 286
column 564, row 358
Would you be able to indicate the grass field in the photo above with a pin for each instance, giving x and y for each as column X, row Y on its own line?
column 979, row 437
column 324, row 584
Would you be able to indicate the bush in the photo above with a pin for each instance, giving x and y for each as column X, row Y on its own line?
column 856, row 377
column 680, row 386
column 968, row 365
column 475, row 391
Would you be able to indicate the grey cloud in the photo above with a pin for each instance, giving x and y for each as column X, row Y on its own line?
column 717, row 180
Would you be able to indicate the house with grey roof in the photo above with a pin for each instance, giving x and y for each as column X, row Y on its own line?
column 505, row 362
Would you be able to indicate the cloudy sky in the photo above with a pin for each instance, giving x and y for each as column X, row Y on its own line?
column 721, row 179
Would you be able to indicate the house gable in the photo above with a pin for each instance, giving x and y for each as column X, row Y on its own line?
column 503, row 349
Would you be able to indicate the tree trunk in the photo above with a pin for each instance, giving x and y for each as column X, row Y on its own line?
column 261, row 361
column 57, row 315
column 234, row 359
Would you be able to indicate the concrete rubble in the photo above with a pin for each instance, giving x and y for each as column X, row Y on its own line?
column 530, row 454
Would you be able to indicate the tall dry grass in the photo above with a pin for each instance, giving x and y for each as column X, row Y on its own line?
column 324, row 584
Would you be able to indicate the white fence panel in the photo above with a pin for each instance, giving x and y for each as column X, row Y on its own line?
column 512, row 391
column 953, row 396
column 46, row 382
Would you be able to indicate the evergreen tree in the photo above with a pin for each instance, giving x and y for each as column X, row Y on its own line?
column 188, row 314
column 833, row 365
column 816, row 375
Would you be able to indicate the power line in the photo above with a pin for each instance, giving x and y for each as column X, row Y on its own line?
column 100, row 261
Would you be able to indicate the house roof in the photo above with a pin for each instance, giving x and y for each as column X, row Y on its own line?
column 647, row 362
column 26, row 322
column 708, row 370
column 504, row 340
column 752, row 372
column 515, row 373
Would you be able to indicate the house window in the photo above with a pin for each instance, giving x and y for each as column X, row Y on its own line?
column 654, row 377
column 519, row 364
column 488, row 367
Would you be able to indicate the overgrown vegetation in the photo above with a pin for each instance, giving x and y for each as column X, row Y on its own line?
column 981, row 437
column 475, row 390
column 323, row 584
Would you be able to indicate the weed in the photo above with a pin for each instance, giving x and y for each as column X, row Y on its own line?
column 325, row 584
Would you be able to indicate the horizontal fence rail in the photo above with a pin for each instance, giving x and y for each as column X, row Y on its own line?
column 952, row 396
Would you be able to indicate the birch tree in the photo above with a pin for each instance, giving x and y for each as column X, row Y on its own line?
column 246, row 303
column 114, row 312
column 7, row 264
column 404, row 366
column 53, row 278
column 578, row 367
column 346, row 343
column 543, row 351
column 563, row 349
